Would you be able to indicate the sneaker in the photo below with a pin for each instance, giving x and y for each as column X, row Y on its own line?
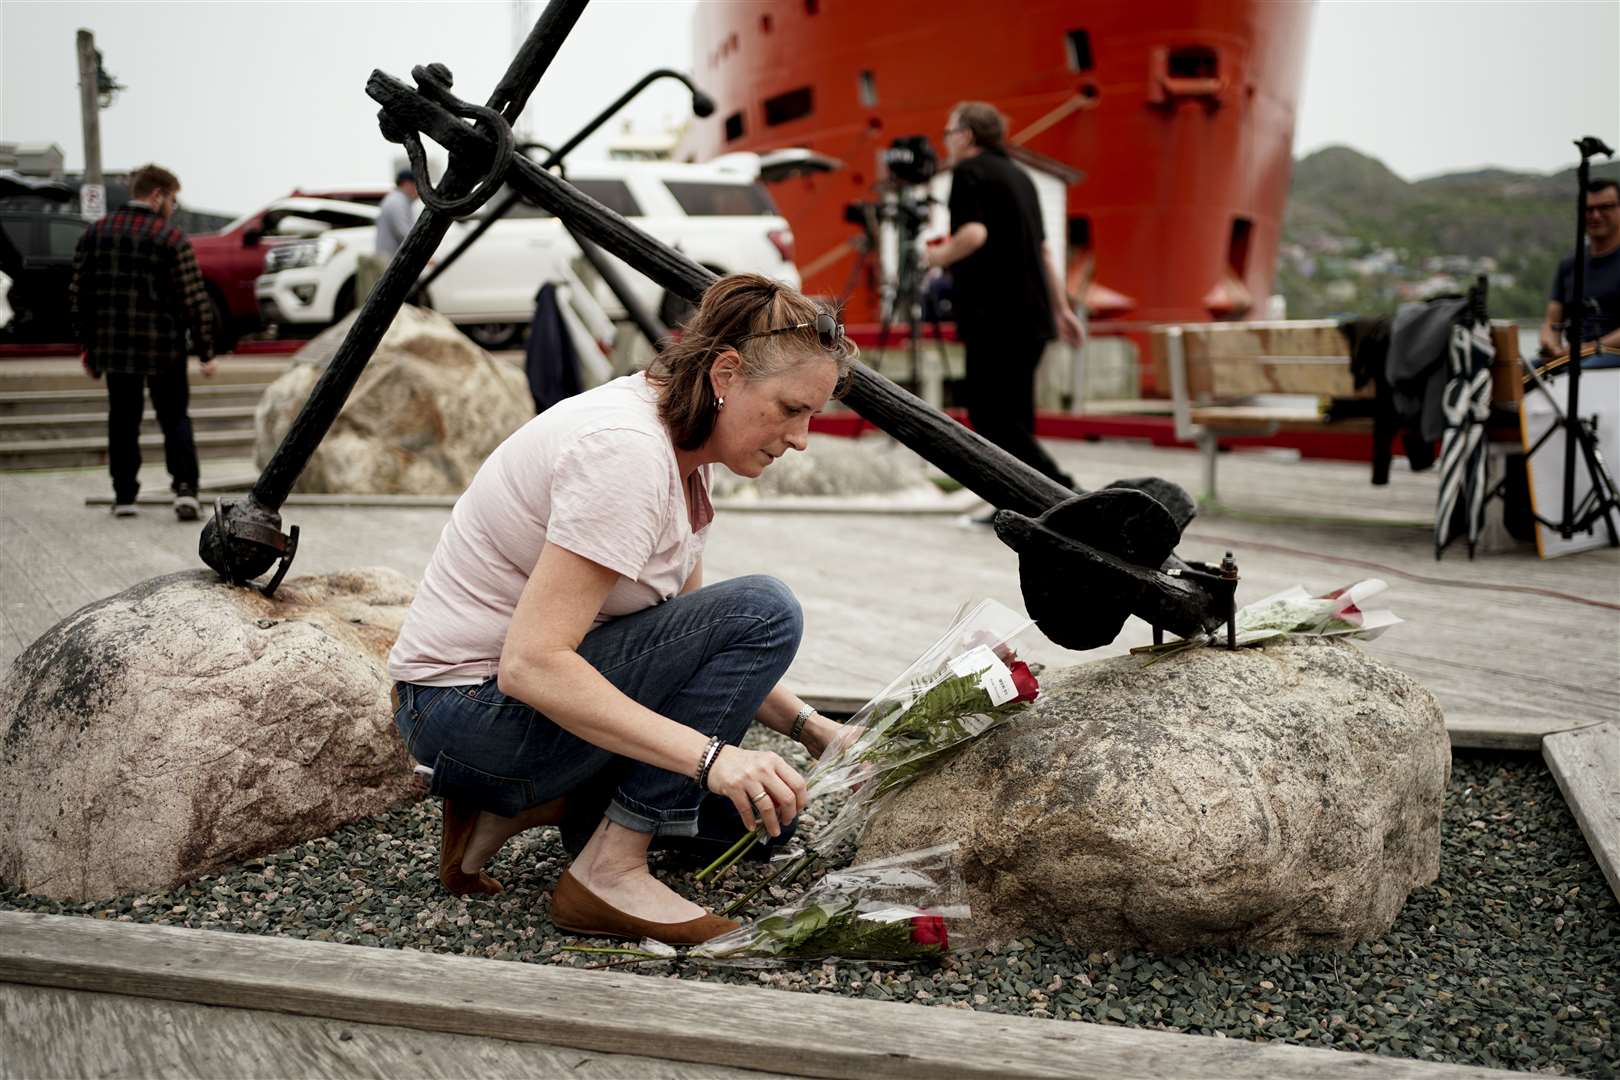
column 124, row 509
column 185, row 503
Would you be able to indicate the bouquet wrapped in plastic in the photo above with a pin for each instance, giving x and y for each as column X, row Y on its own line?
column 969, row 681
column 1295, row 613
column 965, row 684
column 911, row 906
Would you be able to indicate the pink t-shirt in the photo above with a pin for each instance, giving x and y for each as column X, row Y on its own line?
column 595, row 474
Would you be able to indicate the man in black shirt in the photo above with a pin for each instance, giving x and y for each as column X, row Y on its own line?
column 1601, row 317
column 1006, row 291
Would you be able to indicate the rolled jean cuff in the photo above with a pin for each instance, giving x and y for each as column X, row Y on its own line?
column 641, row 818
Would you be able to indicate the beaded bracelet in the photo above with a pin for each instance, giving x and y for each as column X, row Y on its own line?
column 710, row 752
column 805, row 713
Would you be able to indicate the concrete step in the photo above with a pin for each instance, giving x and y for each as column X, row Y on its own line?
column 66, row 374
column 86, row 452
column 94, row 400
column 90, row 425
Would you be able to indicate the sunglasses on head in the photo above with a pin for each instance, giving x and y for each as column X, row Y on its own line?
column 829, row 331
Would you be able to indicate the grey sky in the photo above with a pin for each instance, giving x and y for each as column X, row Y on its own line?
column 1439, row 86
column 246, row 100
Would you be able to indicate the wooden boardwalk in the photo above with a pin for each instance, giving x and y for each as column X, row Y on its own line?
column 1514, row 647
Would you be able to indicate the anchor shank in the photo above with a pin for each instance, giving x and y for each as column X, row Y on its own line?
column 534, row 56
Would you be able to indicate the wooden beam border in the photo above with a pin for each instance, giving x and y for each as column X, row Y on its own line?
column 1586, row 764
column 706, row 1023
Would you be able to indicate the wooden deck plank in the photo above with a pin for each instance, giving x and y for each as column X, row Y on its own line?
column 33, row 604
column 50, row 1032
column 1586, row 764
column 704, row 1023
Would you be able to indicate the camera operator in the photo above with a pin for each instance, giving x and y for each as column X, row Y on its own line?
column 1602, row 321
column 1007, row 295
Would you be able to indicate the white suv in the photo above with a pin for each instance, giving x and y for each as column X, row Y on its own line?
column 717, row 213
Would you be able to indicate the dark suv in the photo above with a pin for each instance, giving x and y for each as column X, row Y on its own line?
column 38, row 235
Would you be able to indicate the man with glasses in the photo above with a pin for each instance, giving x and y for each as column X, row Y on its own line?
column 1601, row 316
column 135, row 293
column 1005, row 289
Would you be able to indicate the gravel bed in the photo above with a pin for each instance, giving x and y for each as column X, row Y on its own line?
column 1511, row 959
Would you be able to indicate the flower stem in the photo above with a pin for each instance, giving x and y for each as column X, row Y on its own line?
column 627, row 963
column 612, row 951
column 731, row 855
column 787, row 873
column 750, row 894
column 803, row 864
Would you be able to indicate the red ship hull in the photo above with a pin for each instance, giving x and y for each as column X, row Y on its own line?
column 1180, row 113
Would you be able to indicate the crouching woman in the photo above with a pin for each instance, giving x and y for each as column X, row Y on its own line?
column 563, row 662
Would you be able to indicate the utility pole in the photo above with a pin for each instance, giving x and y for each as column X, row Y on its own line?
column 521, row 25
column 92, row 193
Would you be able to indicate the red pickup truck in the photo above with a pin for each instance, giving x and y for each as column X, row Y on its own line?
column 232, row 258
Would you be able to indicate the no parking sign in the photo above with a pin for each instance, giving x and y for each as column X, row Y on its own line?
column 93, row 202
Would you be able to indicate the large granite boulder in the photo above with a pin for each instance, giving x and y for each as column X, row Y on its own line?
column 426, row 412
column 185, row 724
column 1278, row 798
column 834, row 466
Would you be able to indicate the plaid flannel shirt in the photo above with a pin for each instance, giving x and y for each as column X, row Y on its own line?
column 135, row 292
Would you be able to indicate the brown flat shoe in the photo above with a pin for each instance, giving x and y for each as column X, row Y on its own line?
column 456, row 832
column 579, row 911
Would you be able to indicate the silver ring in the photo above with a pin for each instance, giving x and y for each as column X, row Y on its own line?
column 761, row 795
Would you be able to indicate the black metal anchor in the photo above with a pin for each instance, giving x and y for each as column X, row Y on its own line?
column 1088, row 560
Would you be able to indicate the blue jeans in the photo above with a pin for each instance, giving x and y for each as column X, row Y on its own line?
column 706, row 660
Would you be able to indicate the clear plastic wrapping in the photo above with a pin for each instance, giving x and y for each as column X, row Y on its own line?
column 1296, row 613
column 967, row 682
column 909, row 907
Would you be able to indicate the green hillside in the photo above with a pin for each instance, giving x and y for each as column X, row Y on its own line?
column 1357, row 239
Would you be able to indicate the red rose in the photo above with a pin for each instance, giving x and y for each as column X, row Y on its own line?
column 1024, row 680
column 930, row 930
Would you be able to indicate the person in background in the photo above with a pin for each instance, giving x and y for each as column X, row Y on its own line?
column 1601, row 322
column 396, row 214
column 134, row 294
column 1007, row 295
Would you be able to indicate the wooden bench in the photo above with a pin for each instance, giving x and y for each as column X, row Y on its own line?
column 1219, row 374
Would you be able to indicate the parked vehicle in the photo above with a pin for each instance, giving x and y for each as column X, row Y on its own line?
column 232, row 259
column 37, row 241
column 716, row 213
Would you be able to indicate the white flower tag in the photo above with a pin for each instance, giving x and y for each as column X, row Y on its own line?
column 994, row 677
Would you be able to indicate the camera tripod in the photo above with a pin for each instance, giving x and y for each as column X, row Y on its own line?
column 1604, row 495
column 902, row 294
column 1580, row 515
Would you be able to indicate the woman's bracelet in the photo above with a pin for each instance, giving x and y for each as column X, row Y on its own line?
column 710, row 752
column 805, row 713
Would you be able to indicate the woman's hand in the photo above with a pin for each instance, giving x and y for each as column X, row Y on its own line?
column 825, row 739
column 764, row 788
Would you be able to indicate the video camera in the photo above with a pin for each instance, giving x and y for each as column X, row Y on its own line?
column 910, row 162
column 891, row 249
column 910, row 159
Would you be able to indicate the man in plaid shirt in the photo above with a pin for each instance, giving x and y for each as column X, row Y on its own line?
column 136, row 291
